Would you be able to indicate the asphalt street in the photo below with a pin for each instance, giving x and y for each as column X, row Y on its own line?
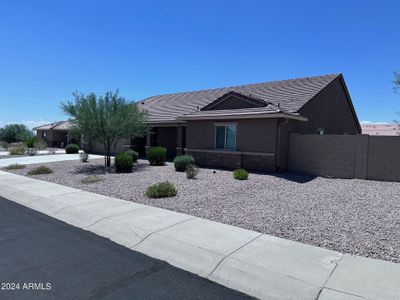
column 43, row 258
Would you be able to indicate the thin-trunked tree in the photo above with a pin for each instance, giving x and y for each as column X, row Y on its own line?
column 105, row 119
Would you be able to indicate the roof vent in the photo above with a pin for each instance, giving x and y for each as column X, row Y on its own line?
column 197, row 108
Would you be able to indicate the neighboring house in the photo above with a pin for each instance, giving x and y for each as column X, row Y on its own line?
column 381, row 129
column 249, row 125
column 57, row 134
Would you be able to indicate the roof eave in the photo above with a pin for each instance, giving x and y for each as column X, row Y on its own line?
column 175, row 121
column 245, row 116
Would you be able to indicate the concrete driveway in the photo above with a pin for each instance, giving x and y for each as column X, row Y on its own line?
column 61, row 261
column 27, row 160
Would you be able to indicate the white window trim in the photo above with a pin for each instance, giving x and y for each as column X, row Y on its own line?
column 225, row 139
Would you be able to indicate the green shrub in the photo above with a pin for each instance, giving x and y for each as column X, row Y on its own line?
column 133, row 153
column 40, row 170
column 157, row 156
column 72, row 149
column 182, row 161
column 15, row 167
column 31, row 142
column 123, row 163
column 91, row 179
column 84, row 157
column 17, row 150
column 192, row 171
column 240, row 174
column 161, row 190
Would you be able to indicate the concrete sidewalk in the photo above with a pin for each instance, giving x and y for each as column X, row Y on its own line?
column 39, row 159
column 256, row 264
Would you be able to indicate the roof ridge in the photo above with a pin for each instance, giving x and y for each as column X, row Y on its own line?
column 242, row 85
column 52, row 124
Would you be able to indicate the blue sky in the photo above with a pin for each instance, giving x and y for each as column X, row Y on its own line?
column 51, row 48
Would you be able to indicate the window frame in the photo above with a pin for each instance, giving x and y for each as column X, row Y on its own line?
column 216, row 125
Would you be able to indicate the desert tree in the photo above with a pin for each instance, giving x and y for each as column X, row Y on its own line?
column 396, row 82
column 105, row 119
column 12, row 133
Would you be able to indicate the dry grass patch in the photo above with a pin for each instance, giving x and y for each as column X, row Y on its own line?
column 15, row 167
column 91, row 179
column 40, row 171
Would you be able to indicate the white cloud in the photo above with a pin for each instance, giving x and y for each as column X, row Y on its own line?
column 29, row 123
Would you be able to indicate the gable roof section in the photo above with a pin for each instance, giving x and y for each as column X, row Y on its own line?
column 61, row 125
column 241, row 96
column 289, row 95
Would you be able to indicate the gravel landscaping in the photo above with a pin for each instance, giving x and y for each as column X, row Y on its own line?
column 348, row 215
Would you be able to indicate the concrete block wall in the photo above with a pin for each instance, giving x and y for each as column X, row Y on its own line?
column 345, row 156
column 215, row 159
column 259, row 163
column 384, row 158
column 234, row 160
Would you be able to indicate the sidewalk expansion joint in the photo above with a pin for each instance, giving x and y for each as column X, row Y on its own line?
column 220, row 262
column 337, row 261
column 151, row 233
column 354, row 295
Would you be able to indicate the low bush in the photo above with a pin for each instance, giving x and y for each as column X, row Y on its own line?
column 157, row 156
column 133, row 153
column 31, row 152
column 31, row 142
column 91, row 179
column 182, row 161
column 15, row 167
column 240, row 174
column 84, row 157
column 17, row 150
column 192, row 171
column 161, row 190
column 40, row 170
column 123, row 163
column 72, row 149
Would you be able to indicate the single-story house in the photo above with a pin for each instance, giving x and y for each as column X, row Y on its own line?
column 57, row 134
column 244, row 126
column 249, row 125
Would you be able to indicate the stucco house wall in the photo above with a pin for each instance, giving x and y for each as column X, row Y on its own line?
column 330, row 110
column 255, row 144
column 167, row 137
column 98, row 148
column 53, row 138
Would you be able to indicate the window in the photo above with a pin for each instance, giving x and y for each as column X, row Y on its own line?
column 225, row 137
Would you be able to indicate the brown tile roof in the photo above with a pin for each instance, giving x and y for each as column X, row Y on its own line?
column 61, row 125
column 290, row 95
